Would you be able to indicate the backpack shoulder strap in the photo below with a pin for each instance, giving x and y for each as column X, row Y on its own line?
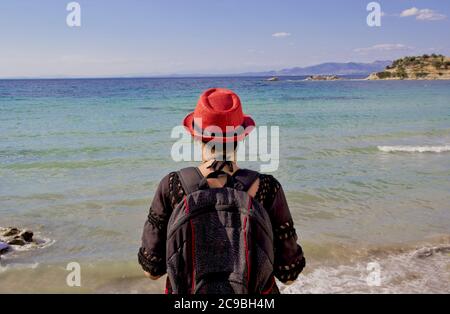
column 245, row 178
column 190, row 178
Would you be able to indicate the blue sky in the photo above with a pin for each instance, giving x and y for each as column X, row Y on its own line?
column 137, row 37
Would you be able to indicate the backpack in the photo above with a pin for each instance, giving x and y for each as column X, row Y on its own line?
column 219, row 240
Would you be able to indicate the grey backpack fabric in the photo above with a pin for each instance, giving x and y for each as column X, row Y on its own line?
column 219, row 240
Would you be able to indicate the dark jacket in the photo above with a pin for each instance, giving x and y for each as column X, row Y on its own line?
column 289, row 260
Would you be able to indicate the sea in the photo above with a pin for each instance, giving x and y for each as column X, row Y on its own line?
column 365, row 166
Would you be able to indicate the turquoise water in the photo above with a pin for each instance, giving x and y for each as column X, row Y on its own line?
column 364, row 164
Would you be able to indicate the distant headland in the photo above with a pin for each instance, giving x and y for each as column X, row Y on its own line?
column 425, row 67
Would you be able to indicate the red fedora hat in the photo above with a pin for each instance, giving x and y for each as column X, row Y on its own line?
column 218, row 116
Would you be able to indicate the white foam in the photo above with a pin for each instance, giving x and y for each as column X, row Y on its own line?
column 415, row 149
column 39, row 243
column 420, row 271
column 8, row 267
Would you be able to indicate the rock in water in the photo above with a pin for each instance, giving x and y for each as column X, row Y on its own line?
column 427, row 252
column 323, row 78
column 15, row 236
column 17, row 241
column 27, row 235
column 11, row 231
column 424, row 252
column 442, row 249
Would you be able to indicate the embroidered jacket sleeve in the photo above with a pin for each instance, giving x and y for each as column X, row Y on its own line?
column 152, row 254
column 289, row 259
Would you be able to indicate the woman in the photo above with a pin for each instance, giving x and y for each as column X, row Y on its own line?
column 220, row 110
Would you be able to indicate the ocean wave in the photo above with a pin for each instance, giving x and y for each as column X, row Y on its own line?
column 423, row 270
column 39, row 243
column 79, row 164
column 19, row 267
column 320, row 97
column 415, row 149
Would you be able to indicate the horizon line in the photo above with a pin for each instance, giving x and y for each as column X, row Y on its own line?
column 159, row 77
column 178, row 75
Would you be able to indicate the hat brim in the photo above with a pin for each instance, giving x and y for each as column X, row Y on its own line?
column 248, row 125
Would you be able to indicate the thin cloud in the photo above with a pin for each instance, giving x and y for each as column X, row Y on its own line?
column 383, row 47
column 423, row 14
column 281, row 34
column 409, row 12
column 430, row 15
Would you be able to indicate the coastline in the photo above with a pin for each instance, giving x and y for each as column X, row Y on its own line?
column 331, row 268
column 408, row 79
column 426, row 67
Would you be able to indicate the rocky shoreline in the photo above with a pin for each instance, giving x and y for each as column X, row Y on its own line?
column 323, row 78
column 12, row 236
column 426, row 67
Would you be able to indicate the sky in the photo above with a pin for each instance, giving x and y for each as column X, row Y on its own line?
column 164, row 37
